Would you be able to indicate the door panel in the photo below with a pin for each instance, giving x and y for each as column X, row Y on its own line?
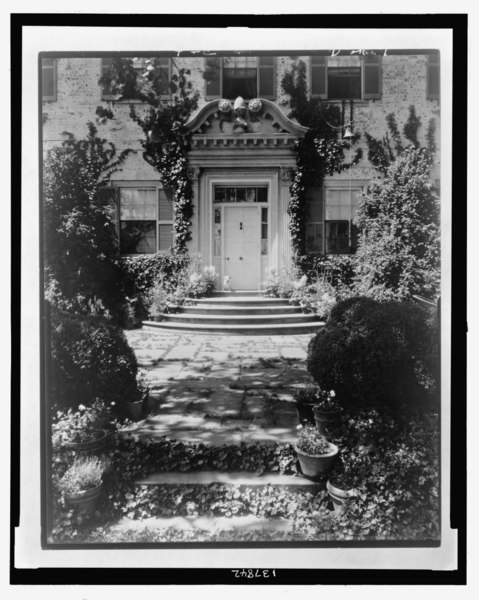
column 242, row 247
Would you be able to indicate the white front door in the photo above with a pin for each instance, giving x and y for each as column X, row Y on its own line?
column 241, row 246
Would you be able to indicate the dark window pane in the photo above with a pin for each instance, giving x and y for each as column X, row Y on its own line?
column 48, row 77
column 266, row 61
column 344, row 82
column 48, row 89
column 266, row 82
column 262, row 194
column 240, row 194
column 264, row 215
column 213, row 76
column 371, row 80
column 433, row 80
column 165, row 237
column 239, row 82
column 337, row 237
column 138, row 237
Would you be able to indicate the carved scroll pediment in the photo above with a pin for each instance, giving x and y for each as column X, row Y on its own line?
column 259, row 117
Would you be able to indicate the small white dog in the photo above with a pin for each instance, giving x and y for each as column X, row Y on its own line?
column 227, row 283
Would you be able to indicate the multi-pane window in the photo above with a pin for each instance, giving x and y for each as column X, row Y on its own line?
column 433, row 76
column 143, row 217
column 340, row 209
column 246, row 76
column 346, row 77
column 49, row 79
column 329, row 222
column 141, row 66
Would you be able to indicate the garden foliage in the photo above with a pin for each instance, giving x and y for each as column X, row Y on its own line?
column 399, row 248
column 81, row 248
column 376, row 353
column 90, row 359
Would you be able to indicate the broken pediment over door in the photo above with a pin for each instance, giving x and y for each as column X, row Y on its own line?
column 256, row 118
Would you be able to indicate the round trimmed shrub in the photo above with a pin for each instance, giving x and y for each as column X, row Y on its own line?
column 376, row 353
column 90, row 358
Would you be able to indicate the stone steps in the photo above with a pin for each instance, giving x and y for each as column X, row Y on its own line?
column 242, row 479
column 238, row 319
column 224, row 309
column 227, row 329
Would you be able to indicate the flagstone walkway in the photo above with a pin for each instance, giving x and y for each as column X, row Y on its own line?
column 217, row 389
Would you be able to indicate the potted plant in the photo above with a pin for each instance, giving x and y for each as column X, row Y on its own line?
column 342, row 485
column 82, row 482
column 327, row 411
column 81, row 430
column 316, row 455
column 139, row 405
column 304, row 401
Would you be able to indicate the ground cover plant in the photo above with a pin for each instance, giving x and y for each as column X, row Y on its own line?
column 390, row 459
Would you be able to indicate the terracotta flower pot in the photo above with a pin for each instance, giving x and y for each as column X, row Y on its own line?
column 93, row 445
column 315, row 465
column 305, row 413
column 327, row 421
column 86, row 499
column 339, row 496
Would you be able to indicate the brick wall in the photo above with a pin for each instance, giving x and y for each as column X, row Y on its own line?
column 78, row 95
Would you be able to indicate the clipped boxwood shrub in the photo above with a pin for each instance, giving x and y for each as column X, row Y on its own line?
column 375, row 353
column 338, row 269
column 144, row 271
column 90, row 358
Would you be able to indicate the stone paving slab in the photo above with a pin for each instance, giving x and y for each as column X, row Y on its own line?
column 206, row 524
column 232, row 389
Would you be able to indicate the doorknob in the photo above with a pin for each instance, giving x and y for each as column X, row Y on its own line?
column 227, row 257
column 241, row 225
column 241, row 258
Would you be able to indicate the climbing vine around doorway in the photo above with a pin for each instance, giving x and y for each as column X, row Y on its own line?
column 318, row 153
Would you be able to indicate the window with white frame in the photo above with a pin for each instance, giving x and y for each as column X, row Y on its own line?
column 246, row 76
column 329, row 221
column 49, row 79
column 346, row 77
column 143, row 217
column 141, row 66
column 340, row 208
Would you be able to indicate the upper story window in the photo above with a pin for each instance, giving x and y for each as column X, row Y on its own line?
column 433, row 76
column 49, row 79
column 346, row 77
column 246, row 76
column 129, row 71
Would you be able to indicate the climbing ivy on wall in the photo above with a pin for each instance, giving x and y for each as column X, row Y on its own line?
column 166, row 141
column 318, row 153
column 380, row 151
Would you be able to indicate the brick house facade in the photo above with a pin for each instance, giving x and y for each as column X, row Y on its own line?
column 241, row 177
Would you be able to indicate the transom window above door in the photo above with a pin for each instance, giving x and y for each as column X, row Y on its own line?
column 240, row 194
